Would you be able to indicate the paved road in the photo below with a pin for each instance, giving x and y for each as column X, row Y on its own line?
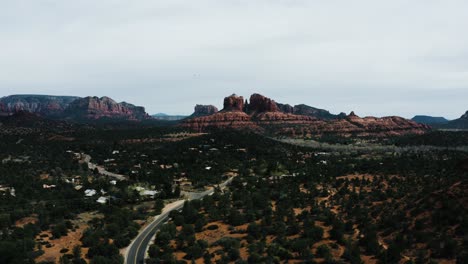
column 137, row 249
column 87, row 159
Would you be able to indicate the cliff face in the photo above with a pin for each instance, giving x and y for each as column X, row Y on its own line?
column 104, row 107
column 45, row 105
column 233, row 103
column 260, row 104
column 286, row 108
column 263, row 114
column 70, row 107
column 204, row 110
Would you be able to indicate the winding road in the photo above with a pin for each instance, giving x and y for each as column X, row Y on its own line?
column 87, row 159
column 137, row 250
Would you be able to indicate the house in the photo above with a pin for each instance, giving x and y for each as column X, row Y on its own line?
column 46, row 186
column 78, row 187
column 102, row 200
column 7, row 189
column 90, row 192
column 149, row 193
column 113, row 182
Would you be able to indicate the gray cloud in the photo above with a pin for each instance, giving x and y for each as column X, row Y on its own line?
column 374, row 57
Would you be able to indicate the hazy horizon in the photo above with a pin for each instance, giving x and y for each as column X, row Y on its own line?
column 375, row 58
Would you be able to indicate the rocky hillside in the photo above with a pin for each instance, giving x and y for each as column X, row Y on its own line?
column 303, row 109
column 23, row 122
column 204, row 110
column 263, row 114
column 104, row 107
column 460, row 123
column 44, row 105
column 71, row 107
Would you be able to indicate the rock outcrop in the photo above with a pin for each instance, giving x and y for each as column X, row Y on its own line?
column 286, row 108
column 303, row 109
column 204, row 110
column 104, row 107
column 71, row 107
column 263, row 114
column 233, row 103
column 44, row 105
column 261, row 104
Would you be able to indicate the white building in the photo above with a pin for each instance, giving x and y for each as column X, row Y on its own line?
column 90, row 192
column 102, row 200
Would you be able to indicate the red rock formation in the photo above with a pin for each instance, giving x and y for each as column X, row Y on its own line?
column 44, row 105
column 233, row 103
column 232, row 116
column 204, row 110
column 70, row 107
column 266, row 115
column 96, row 108
column 260, row 104
column 352, row 115
column 221, row 120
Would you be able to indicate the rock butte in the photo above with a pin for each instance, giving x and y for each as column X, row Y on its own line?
column 204, row 110
column 263, row 114
column 95, row 108
column 70, row 107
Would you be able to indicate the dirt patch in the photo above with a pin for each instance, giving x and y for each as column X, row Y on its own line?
column 26, row 220
column 72, row 239
column 212, row 236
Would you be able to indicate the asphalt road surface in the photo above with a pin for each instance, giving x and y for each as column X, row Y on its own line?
column 137, row 250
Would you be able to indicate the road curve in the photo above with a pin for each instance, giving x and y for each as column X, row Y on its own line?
column 137, row 250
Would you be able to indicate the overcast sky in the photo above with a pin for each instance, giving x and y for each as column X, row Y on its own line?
column 378, row 58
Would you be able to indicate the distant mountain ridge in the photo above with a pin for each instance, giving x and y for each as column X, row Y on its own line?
column 429, row 120
column 72, row 107
column 166, row 117
column 460, row 123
